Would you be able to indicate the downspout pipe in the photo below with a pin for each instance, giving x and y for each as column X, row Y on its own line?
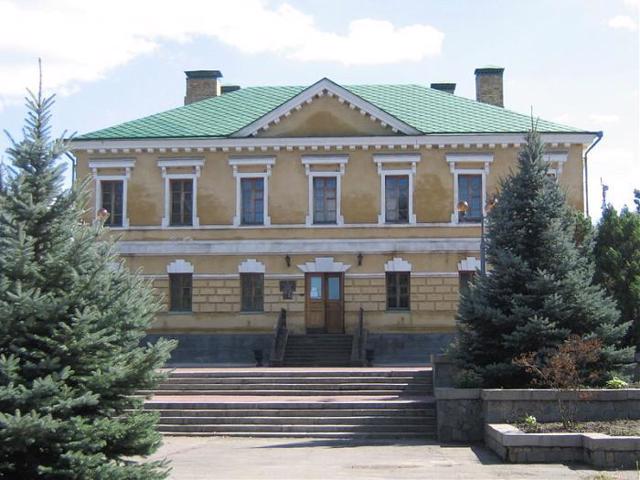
column 599, row 136
column 73, row 166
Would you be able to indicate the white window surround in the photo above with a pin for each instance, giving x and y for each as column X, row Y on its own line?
column 397, row 265
column 251, row 265
column 453, row 159
column 196, row 164
column 180, row 266
column 469, row 264
column 324, row 265
column 327, row 160
column 557, row 158
column 117, row 163
column 266, row 162
column 386, row 158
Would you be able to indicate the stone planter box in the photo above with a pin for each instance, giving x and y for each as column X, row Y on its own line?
column 602, row 451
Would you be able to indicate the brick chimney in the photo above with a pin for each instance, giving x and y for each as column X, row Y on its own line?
column 444, row 87
column 489, row 88
column 202, row 84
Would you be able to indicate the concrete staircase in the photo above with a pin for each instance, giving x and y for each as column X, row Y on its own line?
column 327, row 403
column 322, row 350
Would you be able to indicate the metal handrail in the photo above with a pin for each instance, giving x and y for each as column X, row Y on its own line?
column 280, row 338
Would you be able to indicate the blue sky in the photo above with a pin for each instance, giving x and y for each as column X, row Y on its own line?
column 572, row 61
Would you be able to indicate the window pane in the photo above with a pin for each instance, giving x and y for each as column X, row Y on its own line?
column 315, row 287
column 397, row 199
column 333, row 288
column 112, row 201
column 252, row 198
column 181, row 201
column 324, row 199
column 470, row 191
column 180, row 292
column 252, row 287
column 398, row 289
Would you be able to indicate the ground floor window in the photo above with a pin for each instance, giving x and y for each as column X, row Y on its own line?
column 252, row 288
column 180, row 291
column 465, row 279
column 397, row 290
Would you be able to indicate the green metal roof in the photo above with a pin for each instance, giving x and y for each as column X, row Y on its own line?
column 427, row 110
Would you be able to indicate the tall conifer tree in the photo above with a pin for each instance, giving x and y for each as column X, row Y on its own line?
column 539, row 288
column 71, row 321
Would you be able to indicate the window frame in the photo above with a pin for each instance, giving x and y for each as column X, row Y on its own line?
column 314, row 210
column 196, row 165
column 250, row 280
column 109, row 221
column 266, row 163
column 181, row 306
column 324, row 161
column 396, row 275
column 182, row 223
column 463, row 219
column 399, row 221
column 117, row 163
column 251, row 181
column 410, row 159
column 454, row 159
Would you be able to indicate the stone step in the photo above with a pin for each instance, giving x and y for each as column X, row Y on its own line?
column 268, row 372
column 296, row 380
column 428, row 402
column 309, row 429
column 278, row 420
column 348, row 436
column 284, row 413
column 295, row 393
column 290, row 386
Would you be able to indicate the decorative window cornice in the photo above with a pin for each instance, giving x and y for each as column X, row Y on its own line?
column 397, row 265
column 180, row 266
column 324, row 265
column 251, row 265
column 469, row 264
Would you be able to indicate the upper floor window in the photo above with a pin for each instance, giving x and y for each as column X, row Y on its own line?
column 470, row 191
column 252, row 292
column 180, row 292
column 181, row 202
column 397, row 290
column 252, row 189
column 325, row 199
column 111, row 188
column 397, row 199
column 180, row 191
column 397, row 174
column 252, row 201
column 112, row 201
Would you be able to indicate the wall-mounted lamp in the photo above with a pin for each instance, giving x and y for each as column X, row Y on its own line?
column 287, row 260
column 360, row 259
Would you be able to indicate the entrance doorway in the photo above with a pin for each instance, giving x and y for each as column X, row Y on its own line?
column 324, row 302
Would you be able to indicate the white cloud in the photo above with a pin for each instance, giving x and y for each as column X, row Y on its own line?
column 81, row 40
column 623, row 21
column 604, row 118
column 632, row 3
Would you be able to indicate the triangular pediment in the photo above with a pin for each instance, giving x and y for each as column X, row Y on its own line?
column 326, row 109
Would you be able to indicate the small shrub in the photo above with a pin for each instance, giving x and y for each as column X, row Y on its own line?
column 530, row 421
column 467, row 379
column 616, row 383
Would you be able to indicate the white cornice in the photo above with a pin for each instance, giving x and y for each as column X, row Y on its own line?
column 502, row 140
column 112, row 163
column 243, row 161
column 325, row 159
column 319, row 89
column 396, row 158
column 297, row 246
column 469, row 157
column 180, row 162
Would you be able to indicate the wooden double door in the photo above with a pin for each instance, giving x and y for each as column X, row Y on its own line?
column 324, row 302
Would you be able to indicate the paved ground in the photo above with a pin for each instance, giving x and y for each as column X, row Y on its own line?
column 199, row 458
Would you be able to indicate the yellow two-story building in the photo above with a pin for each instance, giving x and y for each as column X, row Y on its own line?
column 336, row 203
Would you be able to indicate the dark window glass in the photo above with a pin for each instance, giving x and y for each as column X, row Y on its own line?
column 324, row 199
column 252, row 288
column 465, row 279
column 112, row 201
column 470, row 191
column 396, row 199
column 252, row 201
column 180, row 292
column 181, row 202
column 398, row 290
